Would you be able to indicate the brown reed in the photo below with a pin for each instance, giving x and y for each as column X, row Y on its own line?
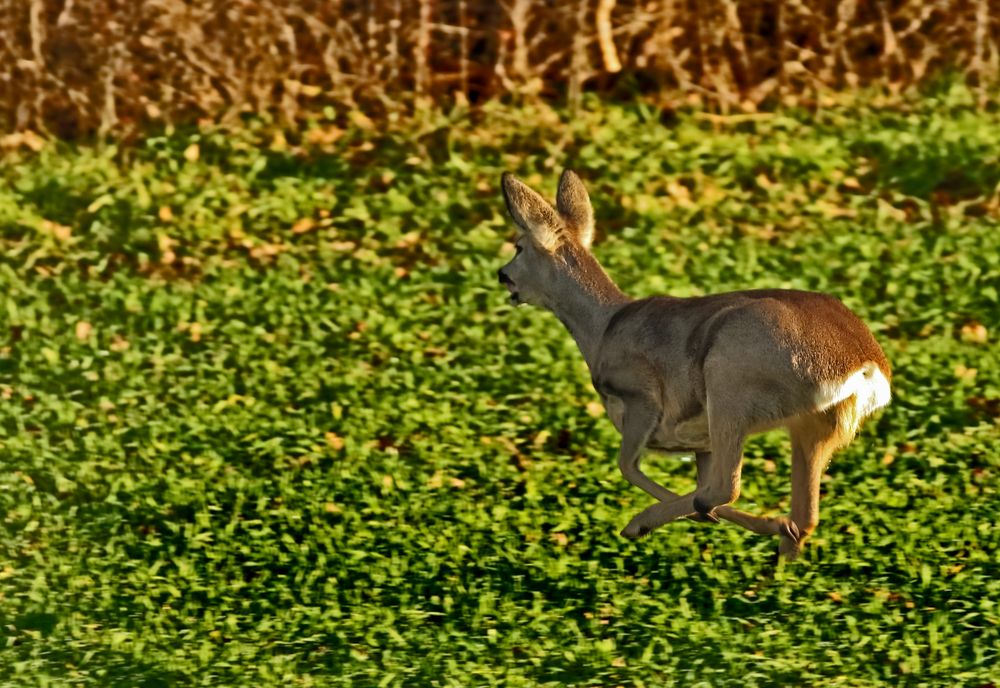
column 82, row 67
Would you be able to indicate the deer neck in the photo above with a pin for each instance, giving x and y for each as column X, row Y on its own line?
column 585, row 303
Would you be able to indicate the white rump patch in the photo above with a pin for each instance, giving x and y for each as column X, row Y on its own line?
column 868, row 386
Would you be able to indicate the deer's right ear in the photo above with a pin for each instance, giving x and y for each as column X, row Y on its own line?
column 531, row 212
column 573, row 203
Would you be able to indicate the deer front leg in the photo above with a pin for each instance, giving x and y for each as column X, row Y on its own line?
column 684, row 506
column 639, row 419
column 661, row 513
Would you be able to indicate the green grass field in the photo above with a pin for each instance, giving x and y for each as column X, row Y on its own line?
column 266, row 417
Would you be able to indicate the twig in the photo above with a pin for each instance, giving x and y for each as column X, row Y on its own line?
column 607, row 44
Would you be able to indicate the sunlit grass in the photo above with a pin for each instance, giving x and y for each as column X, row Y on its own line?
column 266, row 417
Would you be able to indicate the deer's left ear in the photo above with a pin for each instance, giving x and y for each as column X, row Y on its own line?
column 573, row 204
column 532, row 213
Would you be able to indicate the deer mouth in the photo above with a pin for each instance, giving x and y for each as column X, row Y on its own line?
column 514, row 298
column 511, row 287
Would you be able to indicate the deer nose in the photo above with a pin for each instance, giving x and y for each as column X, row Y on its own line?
column 504, row 279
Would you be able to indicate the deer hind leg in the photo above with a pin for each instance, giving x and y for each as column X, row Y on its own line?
column 761, row 525
column 723, row 469
column 703, row 461
column 681, row 506
column 815, row 438
column 716, row 477
column 721, row 484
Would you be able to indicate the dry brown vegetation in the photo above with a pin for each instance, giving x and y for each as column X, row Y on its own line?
column 72, row 67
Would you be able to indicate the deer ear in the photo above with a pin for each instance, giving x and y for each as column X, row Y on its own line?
column 573, row 204
column 531, row 212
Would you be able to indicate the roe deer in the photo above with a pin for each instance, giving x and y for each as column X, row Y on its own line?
column 698, row 375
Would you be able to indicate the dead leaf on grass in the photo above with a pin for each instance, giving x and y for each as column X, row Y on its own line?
column 335, row 441
column 974, row 332
column 303, row 225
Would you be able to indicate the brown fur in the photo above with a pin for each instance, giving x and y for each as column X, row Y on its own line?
column 701, row 374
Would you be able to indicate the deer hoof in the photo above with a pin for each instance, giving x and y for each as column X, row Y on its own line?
column 710, row 517
column 705, row 509
column 635, row 533
column 789, row 530
column 636, row 529
column 791, row 540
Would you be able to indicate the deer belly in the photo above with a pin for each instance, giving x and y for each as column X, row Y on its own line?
column 691, row 434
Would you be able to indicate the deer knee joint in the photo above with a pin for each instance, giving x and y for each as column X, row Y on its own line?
column 706, row 500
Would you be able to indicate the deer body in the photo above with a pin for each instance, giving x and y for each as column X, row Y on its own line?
column 699, row 375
